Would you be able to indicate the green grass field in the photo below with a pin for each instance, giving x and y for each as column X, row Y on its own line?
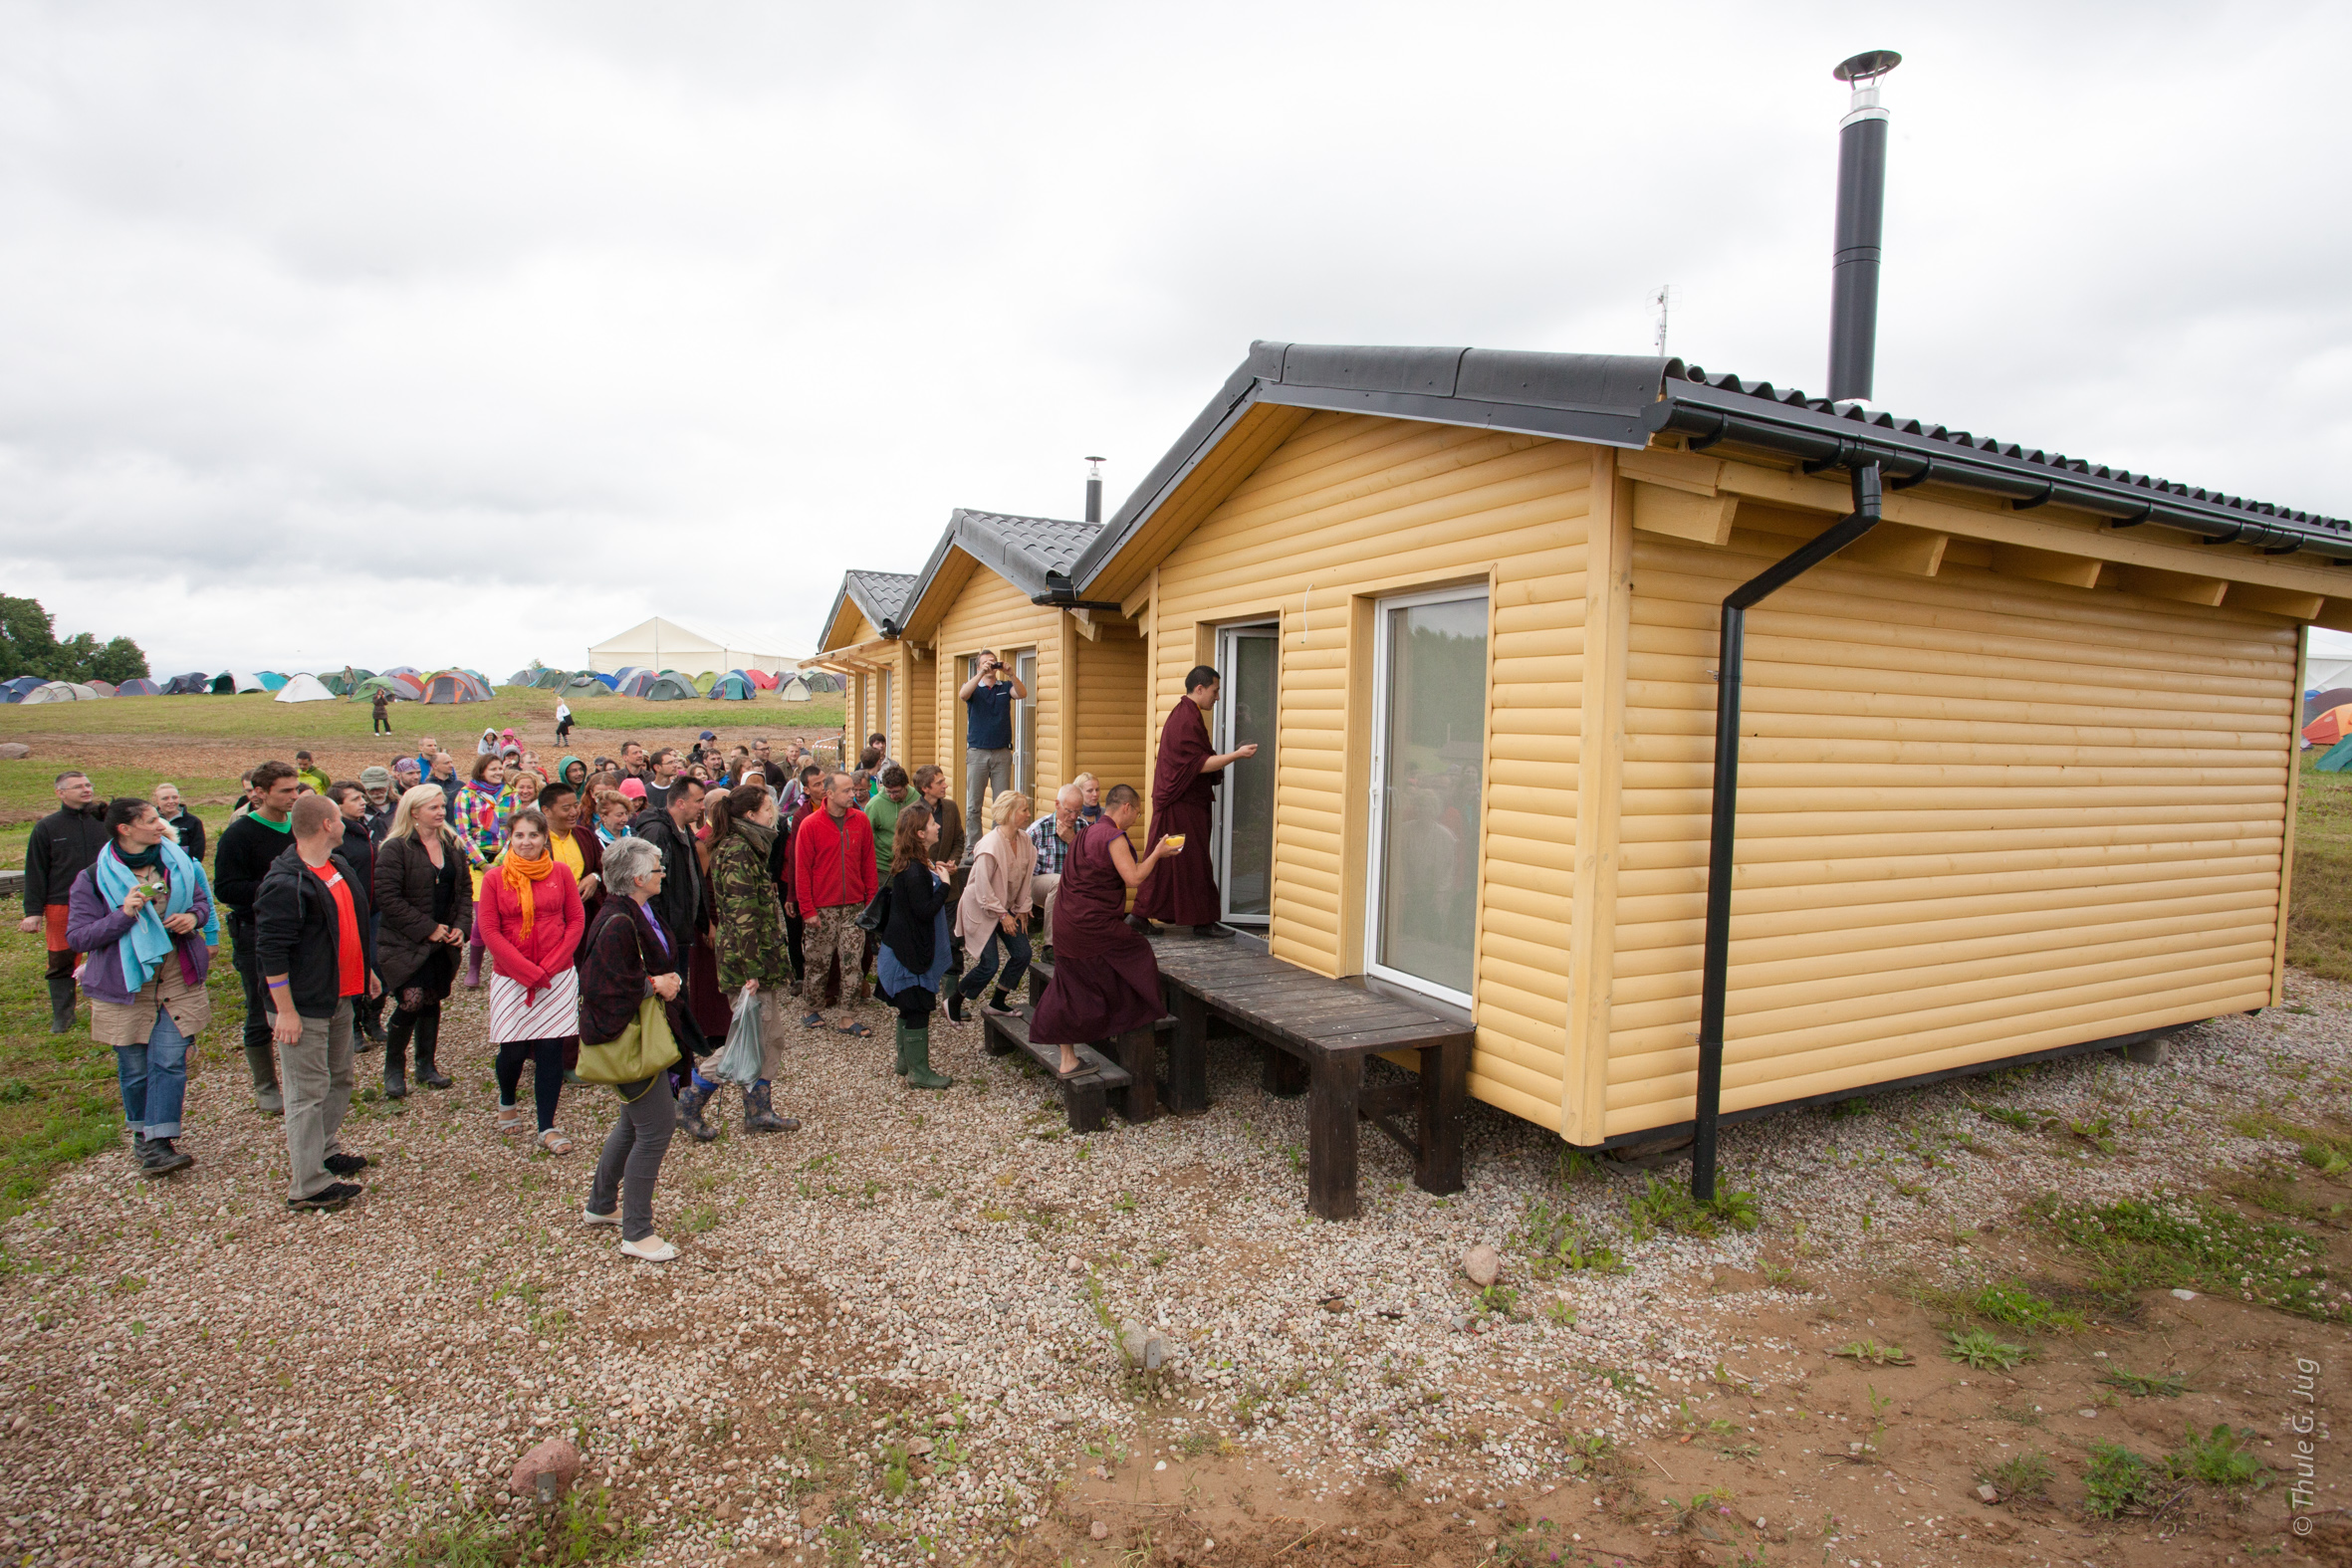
column 2319, row 913
column 260, row 717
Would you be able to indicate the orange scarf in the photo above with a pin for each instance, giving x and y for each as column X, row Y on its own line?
column 520, row 874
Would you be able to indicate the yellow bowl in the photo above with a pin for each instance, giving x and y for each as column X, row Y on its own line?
column 1176, row 839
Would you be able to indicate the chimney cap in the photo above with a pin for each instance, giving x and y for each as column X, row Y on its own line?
column 1867, row 65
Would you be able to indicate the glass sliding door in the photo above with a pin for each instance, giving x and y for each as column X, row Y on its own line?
column 1250, row 660
column 1024, row 726
column 1429, row 692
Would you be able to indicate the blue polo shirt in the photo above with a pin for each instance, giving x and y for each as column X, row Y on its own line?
column 988, row 728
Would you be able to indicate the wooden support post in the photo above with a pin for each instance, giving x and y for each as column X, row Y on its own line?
column 1445, row 1097
column 995, row 1041
column 1084, row 1098
column 1137, row 1050
column 1331, row 1135
column 1284, row 1075
column 1188, row 1056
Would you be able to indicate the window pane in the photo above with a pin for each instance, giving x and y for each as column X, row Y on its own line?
column 1248, row 791
column 1434, row 743
column 1024, row 726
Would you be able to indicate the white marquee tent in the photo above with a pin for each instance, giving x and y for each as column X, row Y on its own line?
column 660, row 644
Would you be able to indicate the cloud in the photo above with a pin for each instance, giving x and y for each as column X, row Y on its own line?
column 476, row 332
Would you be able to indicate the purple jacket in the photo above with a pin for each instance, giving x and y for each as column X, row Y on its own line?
column 97, row 928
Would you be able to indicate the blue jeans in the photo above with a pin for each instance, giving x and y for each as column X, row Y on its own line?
column 984, row 965
column 154, row 1078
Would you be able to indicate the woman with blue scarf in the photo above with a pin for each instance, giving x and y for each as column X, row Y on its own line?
column 144, row 915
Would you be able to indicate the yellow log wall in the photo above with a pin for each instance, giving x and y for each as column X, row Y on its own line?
column 990, row 613
column 1980, row 815
column 1107, row 704
column 1348, row 507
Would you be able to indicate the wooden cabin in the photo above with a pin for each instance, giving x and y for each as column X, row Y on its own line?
column 2019, row 765
column 887, row 686
column 982, row 589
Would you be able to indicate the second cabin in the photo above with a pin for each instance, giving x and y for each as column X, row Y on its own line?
column 2019, row 767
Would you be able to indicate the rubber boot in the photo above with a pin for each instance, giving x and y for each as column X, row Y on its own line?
column 61, row 1003
column 371, row 1011
column 759, row 1110
column 395, row 1055
column 918, row 1061
column 428, row 1039
column 262, row 1063
column 900, row 1068
column 690, row 1105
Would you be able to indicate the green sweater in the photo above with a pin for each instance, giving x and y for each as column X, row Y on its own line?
column 884, row 812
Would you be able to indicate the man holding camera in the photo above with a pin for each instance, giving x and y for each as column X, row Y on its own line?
column 988, row 699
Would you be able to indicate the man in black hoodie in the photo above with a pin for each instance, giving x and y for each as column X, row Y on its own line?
column 63, row 846
column 248, row 846
column 318, row 964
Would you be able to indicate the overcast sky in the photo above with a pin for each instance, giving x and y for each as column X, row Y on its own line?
column 475, row 332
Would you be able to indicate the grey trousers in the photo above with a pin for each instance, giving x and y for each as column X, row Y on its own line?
column 1043, row 890
column 634, row 1149
column 980, row 767
column 316, row 1076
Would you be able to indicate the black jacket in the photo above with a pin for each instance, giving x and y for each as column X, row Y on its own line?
column 296, row 927
column 248, row 847
column 63, row 846
column 916, row 897
column 190, row 828
column 403, row 889
column 680, row 903
column 359, row 847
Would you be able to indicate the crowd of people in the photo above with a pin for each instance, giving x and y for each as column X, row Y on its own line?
column 637, row 914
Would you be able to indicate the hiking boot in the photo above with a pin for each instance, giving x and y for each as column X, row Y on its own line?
column 918, row 1066
column 335, row 1195
column 759, row 1110
column 158, row 1158
column 346, row 1164
column 61, row 1003
column 690, row 1106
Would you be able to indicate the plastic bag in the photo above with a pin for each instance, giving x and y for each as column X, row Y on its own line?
column 739, row 1062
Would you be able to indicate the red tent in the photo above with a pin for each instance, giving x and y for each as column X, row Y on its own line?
column 2330, row 727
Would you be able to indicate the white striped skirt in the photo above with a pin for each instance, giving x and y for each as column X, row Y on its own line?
column 553, row 1015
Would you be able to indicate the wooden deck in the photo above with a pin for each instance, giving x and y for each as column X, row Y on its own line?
column 1314, row 1032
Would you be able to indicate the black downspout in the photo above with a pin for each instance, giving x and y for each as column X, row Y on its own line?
column 1725, row 807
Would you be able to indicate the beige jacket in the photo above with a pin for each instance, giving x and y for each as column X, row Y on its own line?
column 997, row 886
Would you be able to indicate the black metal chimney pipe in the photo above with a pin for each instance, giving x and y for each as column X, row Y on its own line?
column 1861, row 215
column 1095, row 490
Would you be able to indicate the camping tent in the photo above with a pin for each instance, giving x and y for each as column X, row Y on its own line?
column 705, row 681
column 191, row 684
column 762, row 680
column 821, row 680
column 408, row 670
column 793, row 689
column 637, row 683
column 668, row 687
column 520, row 677
column 270, row 680
column 61, row 691
column 455, row 686
column 104, row 688
column 664, row 644
column 305, row 688
column 551, row 680
column 2338, row 758
column 230, row 682
column 2330, row 727
column 732, row 687
column 141, row 687
column 401, row 688
column 588, row 683
column 2318, row 702
column 341, row 682
column 16, row 689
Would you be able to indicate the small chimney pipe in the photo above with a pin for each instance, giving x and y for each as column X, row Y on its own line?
column 1095, row 490
column 1861, row 218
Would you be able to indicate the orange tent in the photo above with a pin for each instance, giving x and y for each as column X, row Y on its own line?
column 2330, row 727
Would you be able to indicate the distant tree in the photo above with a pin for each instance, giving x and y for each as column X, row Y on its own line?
column 29, row 646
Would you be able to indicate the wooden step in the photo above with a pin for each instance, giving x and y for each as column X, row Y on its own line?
column 1041, row 975
column 1015, row 1032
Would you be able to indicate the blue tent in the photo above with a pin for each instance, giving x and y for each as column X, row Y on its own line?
column 2338, row 758
column 732, row 687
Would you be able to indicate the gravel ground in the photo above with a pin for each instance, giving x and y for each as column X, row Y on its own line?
column 891, row 1335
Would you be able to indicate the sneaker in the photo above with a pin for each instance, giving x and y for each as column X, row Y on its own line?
column 653, row 1250
column 346, row 1164
column 590, row 1217
column 335, row 1195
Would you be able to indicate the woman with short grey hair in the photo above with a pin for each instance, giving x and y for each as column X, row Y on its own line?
column 629, row 958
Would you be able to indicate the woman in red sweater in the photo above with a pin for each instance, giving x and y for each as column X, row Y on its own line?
column 530, row 918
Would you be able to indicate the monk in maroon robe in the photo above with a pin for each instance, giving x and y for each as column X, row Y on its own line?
column 1184, row 785
column 1106, row 981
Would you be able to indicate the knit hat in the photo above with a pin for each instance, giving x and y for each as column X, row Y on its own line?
column 376, row 777
column 635, row 789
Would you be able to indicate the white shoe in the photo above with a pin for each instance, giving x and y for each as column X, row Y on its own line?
column 653, row 1250
column 590, row 1217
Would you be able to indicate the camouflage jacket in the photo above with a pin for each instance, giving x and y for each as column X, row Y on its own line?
column 748, row 933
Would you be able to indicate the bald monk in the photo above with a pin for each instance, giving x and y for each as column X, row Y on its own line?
column 1183, row 785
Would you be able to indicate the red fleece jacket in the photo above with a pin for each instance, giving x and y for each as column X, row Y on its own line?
column 555, row 925
column 833, row 863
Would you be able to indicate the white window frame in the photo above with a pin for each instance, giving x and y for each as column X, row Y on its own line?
column 1377, row 856
column 1223, row 741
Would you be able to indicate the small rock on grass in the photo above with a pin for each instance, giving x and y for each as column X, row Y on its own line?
column 1989, row 1492
column 556, row 1456
column 1099, row 1530
column 1481, row 1265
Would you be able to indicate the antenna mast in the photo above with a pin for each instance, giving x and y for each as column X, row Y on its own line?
column 1660, row 299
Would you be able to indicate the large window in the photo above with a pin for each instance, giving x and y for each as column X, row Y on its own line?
column 1249, row 659
column 1429, row 684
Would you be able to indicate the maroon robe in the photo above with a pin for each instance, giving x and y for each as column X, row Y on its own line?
column 1106, row 981
column 1182, row 889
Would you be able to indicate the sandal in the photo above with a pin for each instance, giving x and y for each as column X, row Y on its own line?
column 814, row 1020
column 511, row 1119
column 857, row 1029
column 1084, row 1067
column 555, row 1142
